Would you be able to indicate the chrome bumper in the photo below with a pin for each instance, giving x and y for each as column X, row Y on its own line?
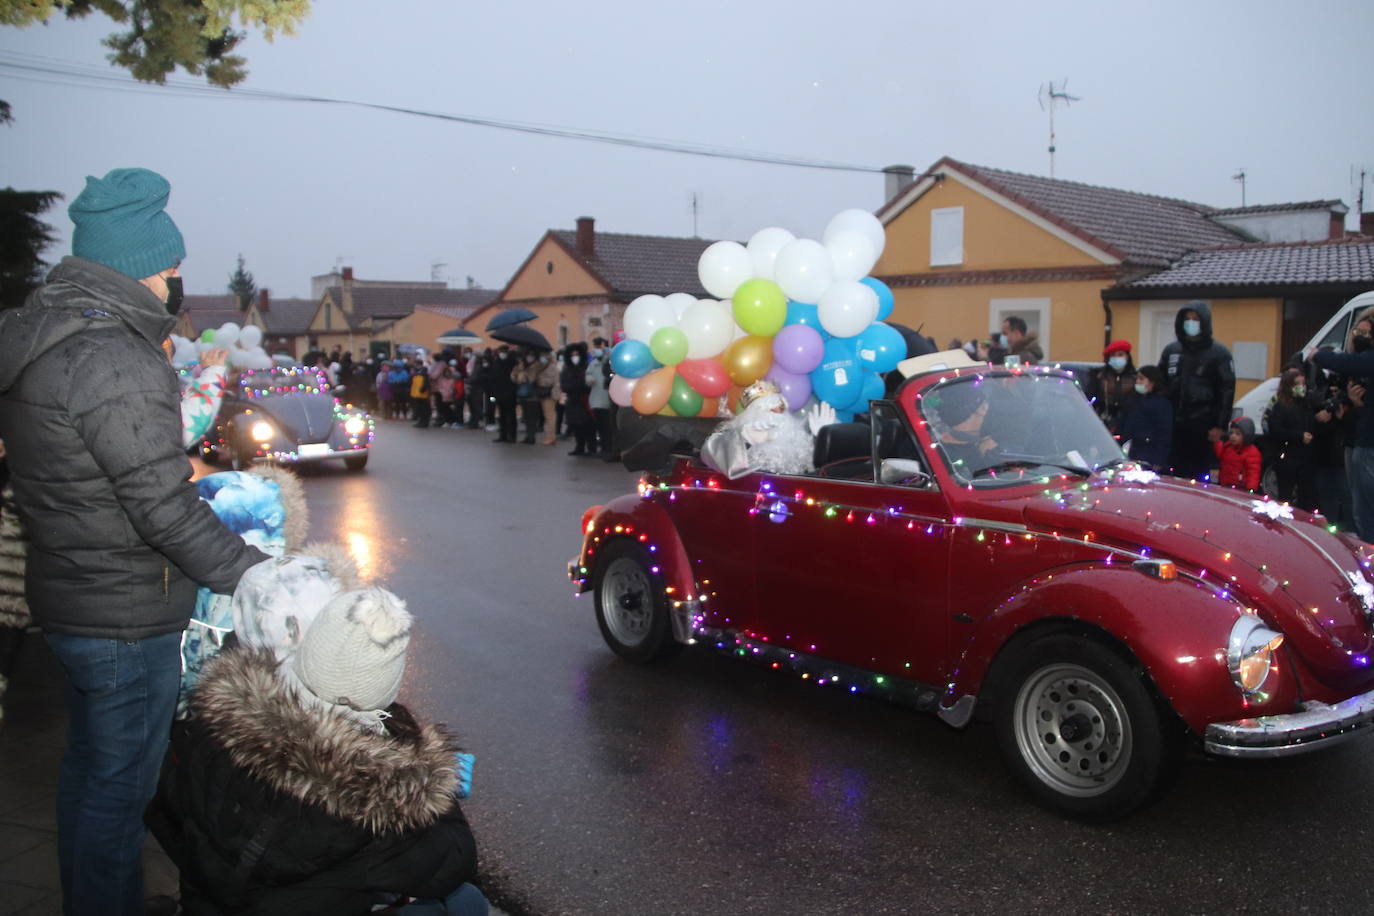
column 298, row 458
column 1317, row 725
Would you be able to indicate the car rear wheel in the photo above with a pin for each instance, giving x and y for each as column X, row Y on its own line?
column 1079, row 726
column 631, row 607
column 356, row 462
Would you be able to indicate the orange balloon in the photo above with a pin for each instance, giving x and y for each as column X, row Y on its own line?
column 747, row 359
column 652, row 390
column 732, row 396
column 709, row 407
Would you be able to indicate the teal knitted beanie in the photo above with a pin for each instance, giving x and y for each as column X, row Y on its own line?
column 121, row 223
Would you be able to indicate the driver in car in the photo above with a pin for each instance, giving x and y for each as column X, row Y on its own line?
column 961, row 409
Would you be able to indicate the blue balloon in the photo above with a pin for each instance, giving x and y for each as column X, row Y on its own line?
column 801, row 313
column 838, row 380
column 632, row 359
column 885, row 299
column 872, row 388
column 880, row 347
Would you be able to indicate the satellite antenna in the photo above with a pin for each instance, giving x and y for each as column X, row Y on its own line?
column 1051, row 95
column 694, row 203
column 1240, row 176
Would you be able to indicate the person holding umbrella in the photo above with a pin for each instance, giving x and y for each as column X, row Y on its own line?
column 578, row 414
column 501, row 388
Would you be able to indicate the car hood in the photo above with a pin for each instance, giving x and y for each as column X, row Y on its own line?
column 303, row 417
column 1304, row 580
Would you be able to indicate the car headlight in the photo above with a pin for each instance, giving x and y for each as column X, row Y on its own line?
column 1250, row 653
column 355, row 425
column 261, row 431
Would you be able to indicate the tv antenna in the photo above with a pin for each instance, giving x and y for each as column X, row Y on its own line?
column 1240, row 176
column 1051, row 95
column 436, row 272
column 694, row 204
column 1358, row 176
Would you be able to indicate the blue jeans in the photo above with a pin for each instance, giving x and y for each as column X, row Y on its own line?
column 1360, row 472
column 121, row 695
column 467, row 900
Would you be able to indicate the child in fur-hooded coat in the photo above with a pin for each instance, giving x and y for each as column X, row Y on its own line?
column 300, row 786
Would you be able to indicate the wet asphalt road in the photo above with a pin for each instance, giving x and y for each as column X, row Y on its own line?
column 707, row 785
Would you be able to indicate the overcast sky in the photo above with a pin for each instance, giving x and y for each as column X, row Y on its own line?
column 1175, row 98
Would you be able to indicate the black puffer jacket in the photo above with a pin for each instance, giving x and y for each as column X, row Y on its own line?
column 90, row 415
column 1200, row 372
column 268, row 805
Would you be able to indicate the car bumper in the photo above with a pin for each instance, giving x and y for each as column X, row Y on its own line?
column 298, row 457
column 1317, row 725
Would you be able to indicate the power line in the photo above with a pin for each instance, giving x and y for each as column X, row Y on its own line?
column 66, row 73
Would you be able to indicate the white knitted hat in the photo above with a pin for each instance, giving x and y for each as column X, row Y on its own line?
column 354, row 653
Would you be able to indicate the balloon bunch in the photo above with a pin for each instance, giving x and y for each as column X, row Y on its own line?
column 244, row 346
column 803, row 314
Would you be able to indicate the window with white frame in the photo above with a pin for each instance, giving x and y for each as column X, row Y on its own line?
column 946, row 236
column 1034, row 311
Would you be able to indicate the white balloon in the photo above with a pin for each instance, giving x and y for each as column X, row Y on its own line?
column 859, row 221
column 804, row 270
column 646, row 315
column 681, row 302
column 763, row 249
column 851, row 253
column 258, row 359
column 847, row 308
column 184, row 351
column 227, row 335
column 250, row 337
column 709, row 327
column 723, row 267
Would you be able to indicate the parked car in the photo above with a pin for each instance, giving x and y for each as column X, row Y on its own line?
column 1019, row 569
column 287, row 415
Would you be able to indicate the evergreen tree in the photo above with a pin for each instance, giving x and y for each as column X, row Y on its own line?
column 195, row 35
column 242, row 287
column 23, row 236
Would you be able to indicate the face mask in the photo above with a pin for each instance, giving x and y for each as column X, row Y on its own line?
column 1192, row 327
column 543, row 360
column 174, row 295
column 1142, row 388
column 1361, row 343
column 596, row 354
column 1299, row 391
column 1002, row 341
column 1117, row 362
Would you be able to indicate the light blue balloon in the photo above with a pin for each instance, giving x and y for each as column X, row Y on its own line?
column 885, row 298
column 881, row 347
column 801, row 313
column 632, row 359
column 872, row 388
column 838, row 380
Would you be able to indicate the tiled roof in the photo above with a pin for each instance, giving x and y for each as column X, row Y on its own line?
column 1278, row 264
column 289, row 317
column 1282, row 208
column 209, row 312
column 378, row 302
column 633, row 265
column 457, row 312
column 1138, row 228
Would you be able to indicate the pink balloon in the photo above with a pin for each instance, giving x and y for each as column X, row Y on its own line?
column 706, row 376
column 798, row 348
column 622, row 390
column 795, row 388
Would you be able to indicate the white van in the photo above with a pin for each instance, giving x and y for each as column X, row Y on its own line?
column 1332, row 334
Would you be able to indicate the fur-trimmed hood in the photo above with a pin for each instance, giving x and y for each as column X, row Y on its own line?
column 378, row 782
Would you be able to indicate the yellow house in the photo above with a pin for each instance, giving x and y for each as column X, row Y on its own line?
column 968, row 246
column 578, row 283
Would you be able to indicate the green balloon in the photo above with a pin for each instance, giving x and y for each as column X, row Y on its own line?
column 668, row 346
column 760, row 307
column 684, row 400
column 208, row 335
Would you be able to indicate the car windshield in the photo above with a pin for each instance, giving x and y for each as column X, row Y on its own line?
column 263, row 383
column 1001, row 427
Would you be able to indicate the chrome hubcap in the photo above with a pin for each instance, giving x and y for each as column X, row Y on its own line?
column 626, row 601
column 1072, row 729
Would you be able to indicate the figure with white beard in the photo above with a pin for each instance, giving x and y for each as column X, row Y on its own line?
column 764, row 436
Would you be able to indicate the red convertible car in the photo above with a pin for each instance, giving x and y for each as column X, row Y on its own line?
column 982, row 546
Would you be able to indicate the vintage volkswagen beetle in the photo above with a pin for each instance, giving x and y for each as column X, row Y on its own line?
column 1104, row 617
column 287, row 415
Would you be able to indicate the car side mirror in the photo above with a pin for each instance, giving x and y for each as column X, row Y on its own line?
column 905, row 471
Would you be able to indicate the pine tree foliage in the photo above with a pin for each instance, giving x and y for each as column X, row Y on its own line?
column 196, row 35
column 23, row 237
column 242, row 287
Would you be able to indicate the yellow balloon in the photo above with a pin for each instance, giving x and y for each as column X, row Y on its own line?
column 652, row 390
column 747, row 359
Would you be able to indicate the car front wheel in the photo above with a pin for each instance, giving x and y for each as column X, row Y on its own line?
column 356, row 462
column 1078, row 725
column 631, row 607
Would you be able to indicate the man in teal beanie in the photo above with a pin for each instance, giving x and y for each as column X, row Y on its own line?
column 119, row 538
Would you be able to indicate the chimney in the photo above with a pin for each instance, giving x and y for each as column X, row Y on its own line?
column 1337, row 227
column 263, row 304
column 347, row 303
column 586, row 236
column 896, row 178
column 1367, row 223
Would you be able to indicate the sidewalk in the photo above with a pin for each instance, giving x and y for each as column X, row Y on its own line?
column 32, row 736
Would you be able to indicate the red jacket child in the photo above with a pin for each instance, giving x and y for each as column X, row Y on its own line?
column 1240, row 459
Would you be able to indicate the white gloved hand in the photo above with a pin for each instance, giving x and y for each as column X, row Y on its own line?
column 820, row 414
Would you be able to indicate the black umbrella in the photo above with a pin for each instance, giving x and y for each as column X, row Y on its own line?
column 458, row 336
column 521, row 336
column 917, row 344
column 509, row 317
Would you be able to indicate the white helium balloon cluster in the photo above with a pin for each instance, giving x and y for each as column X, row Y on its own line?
column 244, row 346
column 802, row 313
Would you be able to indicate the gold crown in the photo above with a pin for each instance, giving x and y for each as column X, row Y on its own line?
column 755, row 391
